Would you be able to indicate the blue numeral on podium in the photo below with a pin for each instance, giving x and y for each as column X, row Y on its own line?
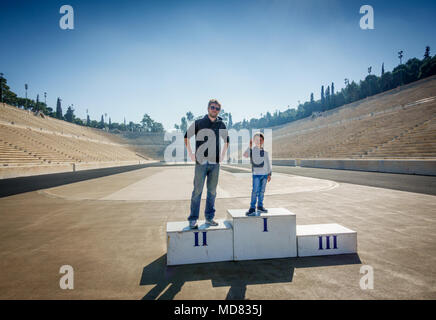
column 265, row 224
column 335, row 242
column 196, row 239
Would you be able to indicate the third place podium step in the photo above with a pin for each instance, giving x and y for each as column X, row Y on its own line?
column 264, row 236
column 325, row 239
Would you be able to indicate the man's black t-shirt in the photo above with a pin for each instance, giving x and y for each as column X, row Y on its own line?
column 219, row 129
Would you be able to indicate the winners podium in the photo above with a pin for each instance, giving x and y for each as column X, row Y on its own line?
column 265, row 236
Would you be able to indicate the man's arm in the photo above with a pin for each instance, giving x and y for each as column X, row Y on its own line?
column 224, row 133
column 223, row 153
column 191, row 155
column 189, row 133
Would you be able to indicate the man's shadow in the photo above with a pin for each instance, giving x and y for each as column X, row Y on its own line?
column 236, row 274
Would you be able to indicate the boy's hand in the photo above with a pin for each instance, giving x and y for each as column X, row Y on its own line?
column 269, row 178
column 251, row 143
column 192, row 156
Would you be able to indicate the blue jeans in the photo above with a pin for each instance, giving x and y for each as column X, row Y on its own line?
column 259, row 184
column 211, row 171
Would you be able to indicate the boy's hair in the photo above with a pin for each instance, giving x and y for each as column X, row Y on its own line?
column 213, row 101
column 260, row 134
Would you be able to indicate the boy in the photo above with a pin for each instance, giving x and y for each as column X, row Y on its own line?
column 261, row 169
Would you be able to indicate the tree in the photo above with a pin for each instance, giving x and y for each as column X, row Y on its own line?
column 147, row 122
column 322, row 98
column 398, row 75
column 230, row 123
column 59, row 109
column 69, row 115
column 6, row 95
column 383, row 69
column 88, row 120
column 189, row 116
column 427, row 52
column 157, row 127
column 428, row 68
column 311, row 98
column 413, row 67
column 184, row 125
column 386, row 81
column 102, row 122
column 332, row 97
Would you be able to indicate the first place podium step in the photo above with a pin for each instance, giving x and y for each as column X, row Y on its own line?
column 264, row 236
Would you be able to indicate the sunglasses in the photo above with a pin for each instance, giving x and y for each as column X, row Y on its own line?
column 215, row 108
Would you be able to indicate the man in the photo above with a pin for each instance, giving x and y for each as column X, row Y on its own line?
column 207, row 157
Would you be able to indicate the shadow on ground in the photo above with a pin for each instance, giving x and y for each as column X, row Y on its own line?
column 236, row 274
column 12, row 186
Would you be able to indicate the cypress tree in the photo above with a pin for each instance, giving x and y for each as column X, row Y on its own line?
column 322, row 98
column 59, row 109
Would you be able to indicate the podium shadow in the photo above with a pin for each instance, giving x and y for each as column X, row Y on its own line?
column 236, row 274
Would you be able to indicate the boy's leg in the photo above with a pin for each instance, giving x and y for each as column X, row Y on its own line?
column 262, row 186
column 200, row 174
column 212, row 181
column 254, row 191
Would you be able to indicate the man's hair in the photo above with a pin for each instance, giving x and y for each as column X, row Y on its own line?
column 213, row 101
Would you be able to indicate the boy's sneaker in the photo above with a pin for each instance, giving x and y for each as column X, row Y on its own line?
column 262, row 209
column 193, row 225
column 211, row 222
column 251, row 212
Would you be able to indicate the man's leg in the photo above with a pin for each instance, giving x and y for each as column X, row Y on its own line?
column 212, row 182
column 200, row 175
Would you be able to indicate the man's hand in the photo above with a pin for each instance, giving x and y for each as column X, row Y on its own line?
column 222, row 158
column 269, row 178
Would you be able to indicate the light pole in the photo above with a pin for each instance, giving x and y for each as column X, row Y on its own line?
column 26, row 87
column 1, row 86
column 400, row 56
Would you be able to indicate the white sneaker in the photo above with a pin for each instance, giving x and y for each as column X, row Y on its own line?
column 211, row 222
column 193, row 225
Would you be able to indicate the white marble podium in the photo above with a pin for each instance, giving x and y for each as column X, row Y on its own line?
column 325, row 239
column 264, row 236
column 205, row 244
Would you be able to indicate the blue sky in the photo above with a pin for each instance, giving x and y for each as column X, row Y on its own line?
column 127, row 58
